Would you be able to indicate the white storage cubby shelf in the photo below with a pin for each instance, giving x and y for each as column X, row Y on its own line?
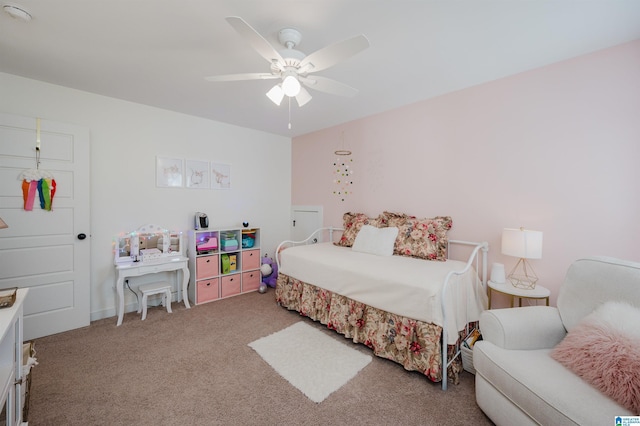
column 223, row 262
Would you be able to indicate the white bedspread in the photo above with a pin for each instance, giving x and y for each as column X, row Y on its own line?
column 401, row 285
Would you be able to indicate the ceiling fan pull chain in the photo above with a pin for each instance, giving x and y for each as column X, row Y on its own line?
column 289, row 112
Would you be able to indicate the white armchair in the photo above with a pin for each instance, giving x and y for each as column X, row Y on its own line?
column 518, row 382
column 535, row 327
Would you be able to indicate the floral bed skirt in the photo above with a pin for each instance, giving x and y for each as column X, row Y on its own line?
column 413, row 344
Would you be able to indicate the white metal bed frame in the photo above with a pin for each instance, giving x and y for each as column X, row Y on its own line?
column 478, row 248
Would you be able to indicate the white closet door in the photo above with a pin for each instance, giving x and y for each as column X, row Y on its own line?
column 305, row 220
column 45, row 250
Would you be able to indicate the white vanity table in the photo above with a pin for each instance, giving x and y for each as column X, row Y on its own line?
column 136, row 269
column 11, row 326
column 150, row 250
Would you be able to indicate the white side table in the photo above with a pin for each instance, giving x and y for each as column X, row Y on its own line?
column 538, row 292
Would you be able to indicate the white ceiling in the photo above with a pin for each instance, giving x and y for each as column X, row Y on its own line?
column 157, row 52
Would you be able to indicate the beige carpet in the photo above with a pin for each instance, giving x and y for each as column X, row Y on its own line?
column 195, row 367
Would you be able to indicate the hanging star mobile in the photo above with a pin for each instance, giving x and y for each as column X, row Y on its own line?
column 342, row 172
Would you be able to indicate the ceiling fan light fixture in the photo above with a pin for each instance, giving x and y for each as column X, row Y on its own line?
column 303, row 97
column 276, row 94
column 292, row 66
column 291, row 86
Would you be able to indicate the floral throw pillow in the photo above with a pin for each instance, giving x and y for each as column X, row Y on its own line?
column 423, row 238
column 352, row 222
column 392, row 219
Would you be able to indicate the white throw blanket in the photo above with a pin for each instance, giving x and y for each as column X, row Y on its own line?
column 398, row 284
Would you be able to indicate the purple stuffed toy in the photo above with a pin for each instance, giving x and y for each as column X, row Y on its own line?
column 269, row 270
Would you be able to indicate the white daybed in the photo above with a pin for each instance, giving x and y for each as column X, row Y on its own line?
column 402, row 307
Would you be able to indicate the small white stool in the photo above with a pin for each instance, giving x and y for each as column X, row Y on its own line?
column 146, row 290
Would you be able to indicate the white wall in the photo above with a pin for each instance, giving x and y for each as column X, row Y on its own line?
column 125, row 140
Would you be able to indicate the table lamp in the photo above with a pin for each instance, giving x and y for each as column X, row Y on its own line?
column 524, row 244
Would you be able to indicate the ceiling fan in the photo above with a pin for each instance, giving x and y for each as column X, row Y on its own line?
column 293, row 67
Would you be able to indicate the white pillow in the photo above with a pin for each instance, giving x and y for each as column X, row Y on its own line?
column 378, row 241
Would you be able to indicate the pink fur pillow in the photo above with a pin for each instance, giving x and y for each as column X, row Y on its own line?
column 603, row 349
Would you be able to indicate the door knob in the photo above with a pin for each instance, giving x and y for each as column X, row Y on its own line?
column 82, row 236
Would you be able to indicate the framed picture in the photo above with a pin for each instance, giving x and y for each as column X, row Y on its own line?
column 197, row 174
column 169, row 172
column 220, row 176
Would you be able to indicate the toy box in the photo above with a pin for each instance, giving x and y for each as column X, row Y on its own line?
column 229, row 263
column 229, row 245
column 210, row 244
column 248, row 238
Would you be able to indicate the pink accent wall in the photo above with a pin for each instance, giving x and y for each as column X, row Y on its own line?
column 556, row 149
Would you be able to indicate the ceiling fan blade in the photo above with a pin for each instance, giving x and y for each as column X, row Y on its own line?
column 332, row 54
column 259, row 43
column 327, row 85
column 241, row 77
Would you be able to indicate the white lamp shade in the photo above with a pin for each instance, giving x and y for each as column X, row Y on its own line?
column 522, row 243
column 303, row 97
column 291, row 86
column 276, row 94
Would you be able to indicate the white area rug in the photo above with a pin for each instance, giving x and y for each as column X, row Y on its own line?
column 313, row 362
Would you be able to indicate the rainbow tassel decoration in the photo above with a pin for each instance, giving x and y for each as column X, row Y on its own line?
column 29, row 193
column 46, row 189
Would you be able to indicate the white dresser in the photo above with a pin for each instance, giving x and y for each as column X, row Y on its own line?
column 11, row 325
